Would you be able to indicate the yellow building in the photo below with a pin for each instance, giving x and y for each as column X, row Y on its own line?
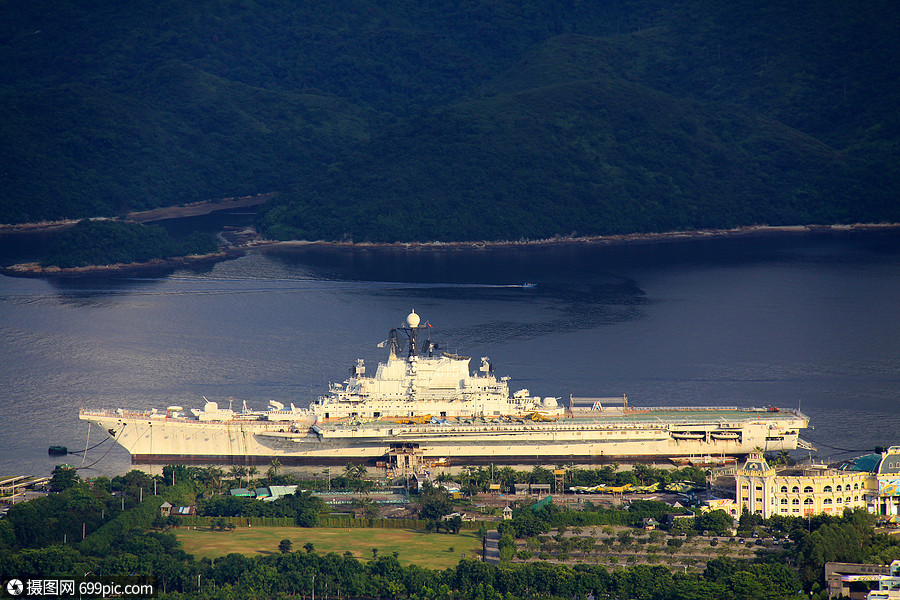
column 883, row 497
column 799, row 492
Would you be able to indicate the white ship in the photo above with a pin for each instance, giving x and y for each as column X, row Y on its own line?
column 428, row 403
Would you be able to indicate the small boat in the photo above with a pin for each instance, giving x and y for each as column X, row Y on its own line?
column 688, row 435
column 57, row 450
column 529, row 285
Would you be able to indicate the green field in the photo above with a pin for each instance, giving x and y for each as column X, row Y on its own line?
column 431, row 550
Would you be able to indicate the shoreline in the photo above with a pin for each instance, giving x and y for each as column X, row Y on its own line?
column 33, row 269
column 606, row 240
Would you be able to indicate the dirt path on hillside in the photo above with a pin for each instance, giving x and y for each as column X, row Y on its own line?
column 197, row 208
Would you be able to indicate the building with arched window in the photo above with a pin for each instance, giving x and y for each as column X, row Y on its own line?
column 871, row 482
column 883, row 497
column 797, row 492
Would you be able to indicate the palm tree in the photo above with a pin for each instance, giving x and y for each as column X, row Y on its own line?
column 237, row 472
column 215, row 476
column 251, row 473
column 273, row 469
column 352, row 471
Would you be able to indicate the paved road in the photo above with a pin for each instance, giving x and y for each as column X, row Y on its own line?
column 492, row 549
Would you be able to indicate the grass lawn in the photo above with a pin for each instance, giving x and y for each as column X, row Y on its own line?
column 431, row 550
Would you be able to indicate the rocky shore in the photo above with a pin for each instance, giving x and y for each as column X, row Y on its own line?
column 631, row 238
column 244, row 239
column 155, row 266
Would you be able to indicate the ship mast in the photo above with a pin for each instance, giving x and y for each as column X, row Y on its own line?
column 410, row 327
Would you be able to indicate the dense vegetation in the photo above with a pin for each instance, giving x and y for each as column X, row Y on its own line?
column 110, row 242
column 125, row 536
column 439, row 120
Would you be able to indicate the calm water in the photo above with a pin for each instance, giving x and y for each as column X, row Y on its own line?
column 797, row 320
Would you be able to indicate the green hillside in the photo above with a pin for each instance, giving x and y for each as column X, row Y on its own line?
column 589, row 157
column 397, row 120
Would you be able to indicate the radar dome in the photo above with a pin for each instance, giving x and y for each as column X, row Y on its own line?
column 412, row 319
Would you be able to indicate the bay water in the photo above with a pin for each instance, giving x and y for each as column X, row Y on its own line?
column 791, row 320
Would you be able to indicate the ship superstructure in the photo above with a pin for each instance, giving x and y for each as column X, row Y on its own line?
column 429, row 401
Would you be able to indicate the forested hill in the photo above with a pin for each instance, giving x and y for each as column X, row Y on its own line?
column 400, row 120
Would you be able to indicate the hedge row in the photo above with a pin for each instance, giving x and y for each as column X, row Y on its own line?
column 240, row 521
column 333, row 522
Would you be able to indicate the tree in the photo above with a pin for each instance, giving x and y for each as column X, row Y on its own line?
column 285, row 546
column 274, row 468
column 434, row 506
column 454, row 524
column 63, row 478
column 238, row 472
column 309, row 547
column 717, row 521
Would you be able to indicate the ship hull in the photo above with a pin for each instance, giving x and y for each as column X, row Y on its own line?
column 647, row 435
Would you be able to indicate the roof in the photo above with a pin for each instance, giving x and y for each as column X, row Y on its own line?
column 867, row 463
column 165, row 505
column 240, row 492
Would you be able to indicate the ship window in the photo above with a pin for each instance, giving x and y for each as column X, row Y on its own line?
column 848, row 499
column 838, row 500
column 826, row 501
column 837, row 489
column 784, row 489
column 827, row 488
column 795, row 489
column 855, row 486
column 856, row 498
column 759, row 488
column 784, row 500
column 808, row 489
column 808, row 501
column 326, row 415
column 376, row 414
column 443, row 414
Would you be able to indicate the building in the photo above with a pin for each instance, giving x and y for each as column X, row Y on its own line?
column 532, row 489
column 871, row 482
column 840, row 577
column 883, row 470
column 797, row 492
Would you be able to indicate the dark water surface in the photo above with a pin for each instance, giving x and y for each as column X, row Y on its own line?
column 789, row 320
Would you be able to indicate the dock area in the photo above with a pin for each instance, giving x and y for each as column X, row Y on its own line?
column 21, row 488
